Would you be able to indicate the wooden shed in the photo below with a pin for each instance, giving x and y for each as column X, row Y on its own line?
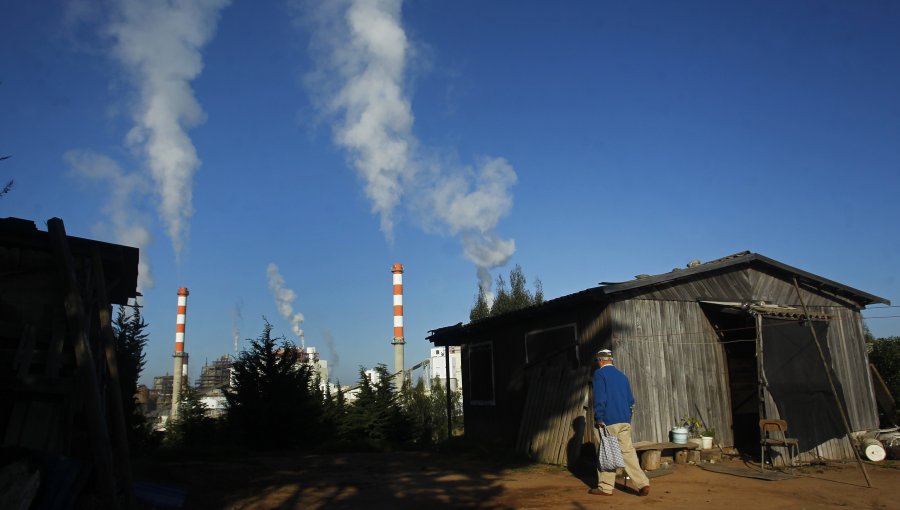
column 726, row 342
column 61, row 422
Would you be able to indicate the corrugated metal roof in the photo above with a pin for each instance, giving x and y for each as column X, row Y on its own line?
column 608, row 291
column 744, row 258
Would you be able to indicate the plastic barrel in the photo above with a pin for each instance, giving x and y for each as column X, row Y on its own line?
column 679, row 435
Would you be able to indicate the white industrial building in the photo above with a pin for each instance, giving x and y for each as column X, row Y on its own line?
column 437, row 367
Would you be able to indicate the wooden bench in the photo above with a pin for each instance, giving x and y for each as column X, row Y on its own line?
column 650, row 453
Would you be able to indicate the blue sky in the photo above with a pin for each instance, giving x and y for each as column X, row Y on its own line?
column 585, row 141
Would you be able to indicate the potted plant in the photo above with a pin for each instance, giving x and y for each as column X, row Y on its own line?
column 706, row 437
column 692, row 426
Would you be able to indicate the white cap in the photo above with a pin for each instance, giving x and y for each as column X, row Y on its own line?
column 604, row 354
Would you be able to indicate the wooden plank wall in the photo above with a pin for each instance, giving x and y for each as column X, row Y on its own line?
column 846, row 341
column 676, row 366
column 553, row 421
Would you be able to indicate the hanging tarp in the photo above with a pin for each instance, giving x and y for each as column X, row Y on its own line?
column 797, row 382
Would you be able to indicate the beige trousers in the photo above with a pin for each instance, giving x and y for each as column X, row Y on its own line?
column 622, row 431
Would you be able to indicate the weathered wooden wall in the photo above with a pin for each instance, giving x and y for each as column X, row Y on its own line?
column 676, row 366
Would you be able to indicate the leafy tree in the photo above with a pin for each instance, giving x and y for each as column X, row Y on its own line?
column 438, row 411
column 417, row 403
column 516, row 297
column 130, row 340
column 885, row 356
column 273, row 401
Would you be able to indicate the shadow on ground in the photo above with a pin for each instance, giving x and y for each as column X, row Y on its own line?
column 346, row 480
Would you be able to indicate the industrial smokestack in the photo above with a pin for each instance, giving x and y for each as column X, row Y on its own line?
column 398, row 342
column 180, row 369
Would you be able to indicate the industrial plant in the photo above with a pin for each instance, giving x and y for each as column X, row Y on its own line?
column 160, row 403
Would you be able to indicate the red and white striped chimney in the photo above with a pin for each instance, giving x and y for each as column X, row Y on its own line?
column 398, row 341
column 180, row 369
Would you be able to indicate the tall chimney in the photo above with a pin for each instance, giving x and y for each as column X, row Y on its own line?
column 180, row 368
column 398, row 342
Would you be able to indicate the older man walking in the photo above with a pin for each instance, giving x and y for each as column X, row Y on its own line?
column 613, row 404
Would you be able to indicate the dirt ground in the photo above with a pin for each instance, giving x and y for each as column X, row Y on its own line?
column 428, row 480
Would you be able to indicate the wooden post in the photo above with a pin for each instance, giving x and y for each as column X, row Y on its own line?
column 95, row 420
column 449, row 400
column 837, row 400
column 761, row 384
column 120, row 436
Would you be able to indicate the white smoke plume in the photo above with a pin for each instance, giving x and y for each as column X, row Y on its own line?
column 366, row 54
column 284, row 299
column 361, row 51
column 126, row 225
column 333, row 358
column 159, row 43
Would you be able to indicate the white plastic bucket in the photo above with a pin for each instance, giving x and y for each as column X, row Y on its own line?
column 706, row 442
column 873, row 450
column 679, row 435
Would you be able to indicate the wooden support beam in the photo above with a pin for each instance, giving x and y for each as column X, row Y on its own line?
column 95, row 420
column 120, row 436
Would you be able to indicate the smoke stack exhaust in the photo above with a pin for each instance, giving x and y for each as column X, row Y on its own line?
column 180, row 369
column 398, row 341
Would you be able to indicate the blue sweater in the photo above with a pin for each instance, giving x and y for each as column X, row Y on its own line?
column 612, row 396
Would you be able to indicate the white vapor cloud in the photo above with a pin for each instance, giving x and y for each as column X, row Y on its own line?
column 159, row 43
column 126, row 226
column 362, row 52
column 284, row 299
column 364, row 57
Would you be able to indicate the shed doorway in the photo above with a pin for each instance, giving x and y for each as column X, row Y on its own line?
column 736, row 329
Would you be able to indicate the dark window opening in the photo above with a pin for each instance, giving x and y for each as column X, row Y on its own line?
column 481, row 374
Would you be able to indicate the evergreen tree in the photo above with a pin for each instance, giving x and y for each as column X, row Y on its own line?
column 502, row 299
column 377, row 416
column 516, row 297
column 519, row 296
column 274, row 400
column 481, row 308
column 538, row 291
column 192, row 429
column 130, row 340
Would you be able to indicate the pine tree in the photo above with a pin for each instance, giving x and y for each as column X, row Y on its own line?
column 192, row 429
column 130, row 340
column 377, row 417
column 516, row 297
column 274, row 400
column 538, row 291
column 519, row 296
column 502, row 299
column 481, row 308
